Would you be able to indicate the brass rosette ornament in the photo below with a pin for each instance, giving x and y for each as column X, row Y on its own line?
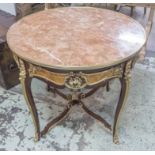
column 75, row 81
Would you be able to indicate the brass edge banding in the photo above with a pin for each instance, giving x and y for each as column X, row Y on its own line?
column 83, row 68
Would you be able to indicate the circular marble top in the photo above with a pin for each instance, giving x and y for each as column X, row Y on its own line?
column 76, row 37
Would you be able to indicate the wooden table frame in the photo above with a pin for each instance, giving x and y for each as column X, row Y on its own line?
column 75, row 81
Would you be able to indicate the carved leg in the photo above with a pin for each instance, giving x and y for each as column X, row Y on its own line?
column 26, row 85
column 132, row 9
column 122, row 100
column 145, row 10
column 115, row 7
column 107, row 87
column 48, row 87
column 51, row 89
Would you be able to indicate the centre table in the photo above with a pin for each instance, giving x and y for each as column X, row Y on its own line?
column 79, row 49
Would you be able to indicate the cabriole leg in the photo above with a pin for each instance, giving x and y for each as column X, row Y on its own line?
column 26, row 85
column 25, row 80
column 125, row 81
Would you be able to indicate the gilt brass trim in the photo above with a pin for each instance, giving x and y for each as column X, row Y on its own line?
column 21, row 66
column 78, row 68
column 128, row 67
column 75, row 81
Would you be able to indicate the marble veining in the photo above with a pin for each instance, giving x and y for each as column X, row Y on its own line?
column 76, row 37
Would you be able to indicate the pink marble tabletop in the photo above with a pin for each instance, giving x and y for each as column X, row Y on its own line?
column 76, row 37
